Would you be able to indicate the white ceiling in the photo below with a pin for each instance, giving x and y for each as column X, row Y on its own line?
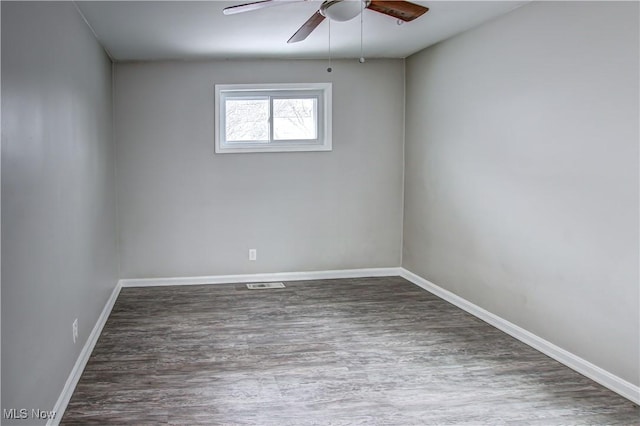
column 157, row 30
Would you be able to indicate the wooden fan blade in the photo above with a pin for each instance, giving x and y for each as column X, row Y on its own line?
column 307, row 28
column 248, row 7
column 403, row 10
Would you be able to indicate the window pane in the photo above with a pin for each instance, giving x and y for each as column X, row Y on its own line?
column 247, row 120
column 295, row 119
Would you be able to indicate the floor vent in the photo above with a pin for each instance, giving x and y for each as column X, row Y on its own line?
column 261, row 286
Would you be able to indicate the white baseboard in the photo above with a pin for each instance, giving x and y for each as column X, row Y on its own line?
column 268, row 277
column 595, row 373
column 81, row 362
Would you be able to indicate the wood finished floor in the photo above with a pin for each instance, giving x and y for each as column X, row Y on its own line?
column 327, row 352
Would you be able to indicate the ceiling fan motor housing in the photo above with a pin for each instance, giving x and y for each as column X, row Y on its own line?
column 343, row 10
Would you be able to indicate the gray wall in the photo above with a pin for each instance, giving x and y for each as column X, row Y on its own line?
column 184, row 211
column 521, row 191
column 59, row 257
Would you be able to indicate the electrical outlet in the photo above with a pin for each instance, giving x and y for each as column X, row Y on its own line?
column 74, row 328
column 253, row 254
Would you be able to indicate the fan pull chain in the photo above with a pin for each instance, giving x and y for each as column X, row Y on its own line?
column 329, row 69
column 361, row 31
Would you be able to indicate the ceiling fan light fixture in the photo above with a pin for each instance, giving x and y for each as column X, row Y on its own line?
column 342, row 10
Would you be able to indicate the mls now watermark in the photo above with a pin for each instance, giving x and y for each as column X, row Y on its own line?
column 23, row 414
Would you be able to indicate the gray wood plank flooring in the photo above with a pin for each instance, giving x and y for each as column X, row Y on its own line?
column 334, row 352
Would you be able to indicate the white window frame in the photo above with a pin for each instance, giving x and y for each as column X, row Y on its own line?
column 322, row 91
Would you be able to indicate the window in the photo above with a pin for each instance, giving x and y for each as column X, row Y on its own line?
column 272, row 117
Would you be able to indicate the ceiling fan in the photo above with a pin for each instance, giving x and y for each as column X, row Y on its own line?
column 338, row 10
